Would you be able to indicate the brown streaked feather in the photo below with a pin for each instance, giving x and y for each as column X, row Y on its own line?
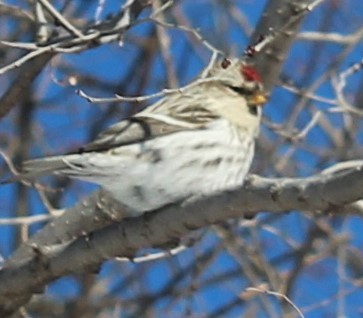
column 128, row 132
column 147, row 125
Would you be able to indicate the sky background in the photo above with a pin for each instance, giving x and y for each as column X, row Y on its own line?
column 63, row 121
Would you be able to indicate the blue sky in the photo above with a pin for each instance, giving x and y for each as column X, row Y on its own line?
column 62, row 122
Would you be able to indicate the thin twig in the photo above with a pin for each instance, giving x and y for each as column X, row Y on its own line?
column 154, row 256
column 60, row 19
column 142, row 98
column 279, row 295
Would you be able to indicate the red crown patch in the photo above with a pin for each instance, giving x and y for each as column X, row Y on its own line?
column 250, row 74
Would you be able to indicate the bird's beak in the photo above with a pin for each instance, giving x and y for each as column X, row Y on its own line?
column 258, row 99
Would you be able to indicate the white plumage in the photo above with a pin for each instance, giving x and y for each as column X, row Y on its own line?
column 197, row 142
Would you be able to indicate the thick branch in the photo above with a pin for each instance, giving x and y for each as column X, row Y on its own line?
column 282, row 20
column 14, row 95
column 319, row 193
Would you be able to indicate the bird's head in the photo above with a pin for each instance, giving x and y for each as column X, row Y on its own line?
column 241, row 78
column 243, row 92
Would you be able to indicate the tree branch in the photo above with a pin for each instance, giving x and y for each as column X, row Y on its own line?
column 31, row 64
column 280, row 20
column 44, row 262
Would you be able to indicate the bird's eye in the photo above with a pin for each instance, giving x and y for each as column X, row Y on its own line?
column 226, row 63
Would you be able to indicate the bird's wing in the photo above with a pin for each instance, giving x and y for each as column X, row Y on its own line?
column 157, row 120
column 176, row 112
column 129, row 131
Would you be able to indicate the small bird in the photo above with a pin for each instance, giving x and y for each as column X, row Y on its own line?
column 195, row 141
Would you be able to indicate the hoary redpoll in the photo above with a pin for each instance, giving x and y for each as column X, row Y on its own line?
column 197, row 141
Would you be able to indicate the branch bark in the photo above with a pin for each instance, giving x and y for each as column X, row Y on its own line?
column 281, row 19
column 42, row 262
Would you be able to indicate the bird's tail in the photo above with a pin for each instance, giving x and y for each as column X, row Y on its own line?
column 36, row 168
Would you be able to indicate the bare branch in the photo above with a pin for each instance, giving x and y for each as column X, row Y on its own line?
column 82, row 250
column 277, row 28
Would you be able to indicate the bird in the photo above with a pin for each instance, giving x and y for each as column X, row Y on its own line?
column 197, row 141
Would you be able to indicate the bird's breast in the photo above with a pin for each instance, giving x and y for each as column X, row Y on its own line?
column 189, row 163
